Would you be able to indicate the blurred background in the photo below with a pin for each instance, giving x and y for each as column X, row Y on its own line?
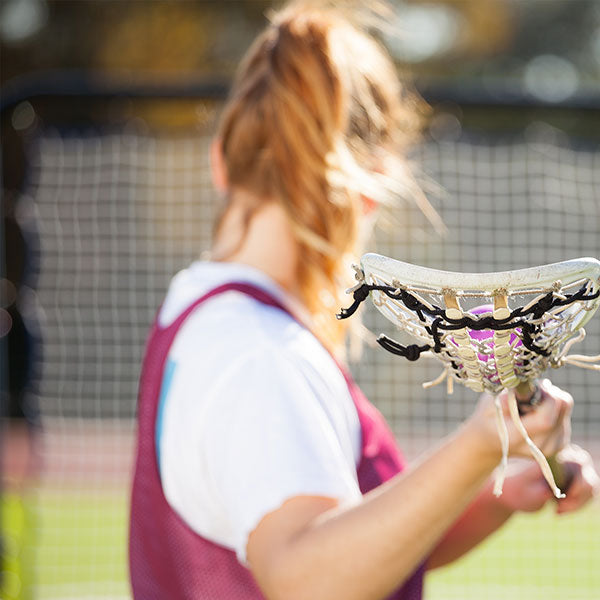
column 107, row 111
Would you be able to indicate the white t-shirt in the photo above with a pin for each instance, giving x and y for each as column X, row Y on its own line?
column 253, row 409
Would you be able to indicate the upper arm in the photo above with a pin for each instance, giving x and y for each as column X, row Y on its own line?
column 269, row 442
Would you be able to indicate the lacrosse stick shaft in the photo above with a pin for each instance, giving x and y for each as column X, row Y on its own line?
column 526, row 393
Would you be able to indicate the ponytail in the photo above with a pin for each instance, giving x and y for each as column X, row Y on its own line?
column 316, row 111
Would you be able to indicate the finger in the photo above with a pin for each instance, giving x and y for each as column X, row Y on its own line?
column 557, row 439
column 550, row 422
column 575, row 454
column 532, row 395
column 544, row 420
column 548, row 388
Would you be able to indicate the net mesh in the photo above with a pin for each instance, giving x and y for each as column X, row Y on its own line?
column 120, row 213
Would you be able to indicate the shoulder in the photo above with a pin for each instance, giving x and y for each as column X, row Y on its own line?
column 238, row 342
column 234, row 324
column 201, row 277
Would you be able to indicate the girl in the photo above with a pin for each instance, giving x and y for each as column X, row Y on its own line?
column 262, row 471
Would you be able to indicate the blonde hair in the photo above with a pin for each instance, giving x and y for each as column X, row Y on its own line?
column 315, row 112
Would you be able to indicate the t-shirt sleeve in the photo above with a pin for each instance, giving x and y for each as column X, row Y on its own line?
column 269, row 436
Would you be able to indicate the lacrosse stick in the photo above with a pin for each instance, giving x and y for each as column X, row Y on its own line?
column 492, row 331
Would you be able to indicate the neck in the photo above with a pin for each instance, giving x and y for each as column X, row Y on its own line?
column 265, row 241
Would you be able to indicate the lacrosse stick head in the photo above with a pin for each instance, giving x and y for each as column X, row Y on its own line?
column 490, row 330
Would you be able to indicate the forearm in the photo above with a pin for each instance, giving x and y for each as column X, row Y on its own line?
column 482, row 517
column 526, row 490
column 368, row 550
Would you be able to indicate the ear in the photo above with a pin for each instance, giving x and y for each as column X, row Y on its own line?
column 368, row 205
column 217, row 166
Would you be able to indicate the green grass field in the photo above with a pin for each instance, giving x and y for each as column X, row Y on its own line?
column 535, row 557
column 81, row 553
